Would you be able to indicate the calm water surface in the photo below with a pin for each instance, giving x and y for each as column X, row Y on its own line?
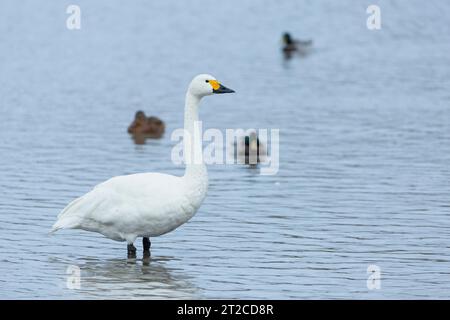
column 364, row 156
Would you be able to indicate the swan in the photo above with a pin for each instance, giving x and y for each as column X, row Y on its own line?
column 148, row 127
column 148, row 204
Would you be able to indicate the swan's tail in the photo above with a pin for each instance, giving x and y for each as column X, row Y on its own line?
column 65, row 223
column 68, row 219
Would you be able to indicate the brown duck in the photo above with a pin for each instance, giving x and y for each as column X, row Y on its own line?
column 148, row 127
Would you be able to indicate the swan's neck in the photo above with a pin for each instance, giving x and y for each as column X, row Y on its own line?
column 195, row 168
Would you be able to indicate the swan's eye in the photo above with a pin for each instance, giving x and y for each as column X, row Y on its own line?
column 206, row 81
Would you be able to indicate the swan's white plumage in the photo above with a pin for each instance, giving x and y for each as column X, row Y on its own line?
column 126, row 207
column 145, row 204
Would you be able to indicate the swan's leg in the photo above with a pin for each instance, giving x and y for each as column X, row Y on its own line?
column 131, row 251
column 146, row 244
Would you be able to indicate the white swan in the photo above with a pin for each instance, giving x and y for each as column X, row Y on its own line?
column 148, row 204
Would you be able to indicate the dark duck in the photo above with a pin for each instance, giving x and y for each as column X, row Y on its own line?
column 251, row 150
column 144, row 127
column 291, row 45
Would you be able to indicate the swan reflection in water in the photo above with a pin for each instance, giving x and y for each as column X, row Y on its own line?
column 148, row 278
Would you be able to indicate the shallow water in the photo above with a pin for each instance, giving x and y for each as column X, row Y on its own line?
column 364, row 147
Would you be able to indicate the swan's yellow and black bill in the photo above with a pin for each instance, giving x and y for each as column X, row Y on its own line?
column 219, row 88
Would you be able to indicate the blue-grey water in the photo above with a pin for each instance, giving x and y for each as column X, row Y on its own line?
column 364, row 121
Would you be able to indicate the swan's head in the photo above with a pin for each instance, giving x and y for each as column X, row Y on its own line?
column 205, row 85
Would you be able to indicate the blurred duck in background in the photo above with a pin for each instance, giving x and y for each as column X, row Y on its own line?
column 144, row 127
column 292, row 46
column 250, row 150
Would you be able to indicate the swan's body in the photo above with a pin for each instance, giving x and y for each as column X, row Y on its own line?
column 147, row 204
column 137, row 205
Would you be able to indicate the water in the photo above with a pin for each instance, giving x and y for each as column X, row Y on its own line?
column 364, row 154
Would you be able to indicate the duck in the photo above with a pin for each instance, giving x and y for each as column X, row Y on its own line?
column 251, row 150
column 151, row 204
column 149, row 127
column 291, row 45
